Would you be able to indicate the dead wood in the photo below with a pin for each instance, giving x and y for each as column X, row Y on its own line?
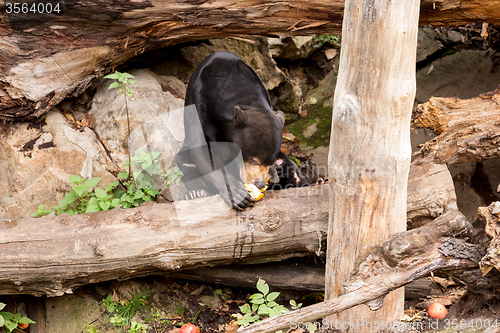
column 294, row 275
column 431, row 192
column 45, row 58
column 468, row 130
column 54, row 254
column 491, row 215
column 382, row 268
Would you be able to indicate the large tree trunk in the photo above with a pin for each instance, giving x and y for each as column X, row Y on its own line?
column 45, row 58
column 370, row 142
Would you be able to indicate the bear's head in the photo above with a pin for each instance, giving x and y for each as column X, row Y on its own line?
column 260, row 132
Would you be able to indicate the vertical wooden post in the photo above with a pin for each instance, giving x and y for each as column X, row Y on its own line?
column 370, row 145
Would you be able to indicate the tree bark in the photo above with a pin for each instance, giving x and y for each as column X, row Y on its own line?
column 431, row 192
column 469, row 129
column 370, row 142
column 45, row 58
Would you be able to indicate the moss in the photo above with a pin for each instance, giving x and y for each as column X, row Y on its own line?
column 320, row 114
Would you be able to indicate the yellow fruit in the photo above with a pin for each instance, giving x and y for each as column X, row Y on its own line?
column 254, row 192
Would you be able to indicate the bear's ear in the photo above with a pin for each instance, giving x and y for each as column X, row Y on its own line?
column 240, row 118
column 281, row 117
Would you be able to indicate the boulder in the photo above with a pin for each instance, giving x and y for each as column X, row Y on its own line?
column 156, row 116
column 293, row 47
column 254, row 52
column 428, row 42
column 37, row 160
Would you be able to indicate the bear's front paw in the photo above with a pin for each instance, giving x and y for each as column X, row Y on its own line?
column 237, row 197
column 321, row 181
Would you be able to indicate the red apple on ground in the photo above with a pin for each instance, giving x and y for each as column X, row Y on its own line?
column 437, row 311
column 189, row 328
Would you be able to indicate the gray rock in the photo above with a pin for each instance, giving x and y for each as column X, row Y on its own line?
column 289, row 95
column 156, row 117
column 320, row 161
column 428, row 42
column 37, row 161
column 255, row 53
column 292, row 47
column 72, row 313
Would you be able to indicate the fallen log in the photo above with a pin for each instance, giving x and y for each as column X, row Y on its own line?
column 491, row 215
column 468, row 130
column 431, row 192
column 382, row 268
column 292, row 275
column 46, row 56
column 54, row 254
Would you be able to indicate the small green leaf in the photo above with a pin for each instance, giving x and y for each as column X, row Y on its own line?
column 101, row 194
column 245, row 308
column 26, row 320
column 92, row 206
column 123, row 175
column 430, row 70
column 263, row 310
column 92, row 182
column 257, row 296
column 113, row 85
column 2, row 305
column 113, row 76
column 272, row 296
column 105, row 205
column 75, row 179
column 262, row 286
column 2, row 321
column 79, row 189
column 272, row 304
column 6, row 315
column 69, row 197
column 10, row 325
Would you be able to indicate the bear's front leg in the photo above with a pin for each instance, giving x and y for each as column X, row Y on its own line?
column 217, row 175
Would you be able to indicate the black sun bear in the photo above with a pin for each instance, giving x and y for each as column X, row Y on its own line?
column 232, row 135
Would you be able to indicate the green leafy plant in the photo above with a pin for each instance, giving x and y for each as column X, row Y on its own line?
column 140, row 187
column 136, row 327
column 11, row 320
column 42, row 211
column 263, row 304
column 124, row 80
column 121, row 312
column 90, row 329
column 173, row 176
column 325, row 39
column 84, row 198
